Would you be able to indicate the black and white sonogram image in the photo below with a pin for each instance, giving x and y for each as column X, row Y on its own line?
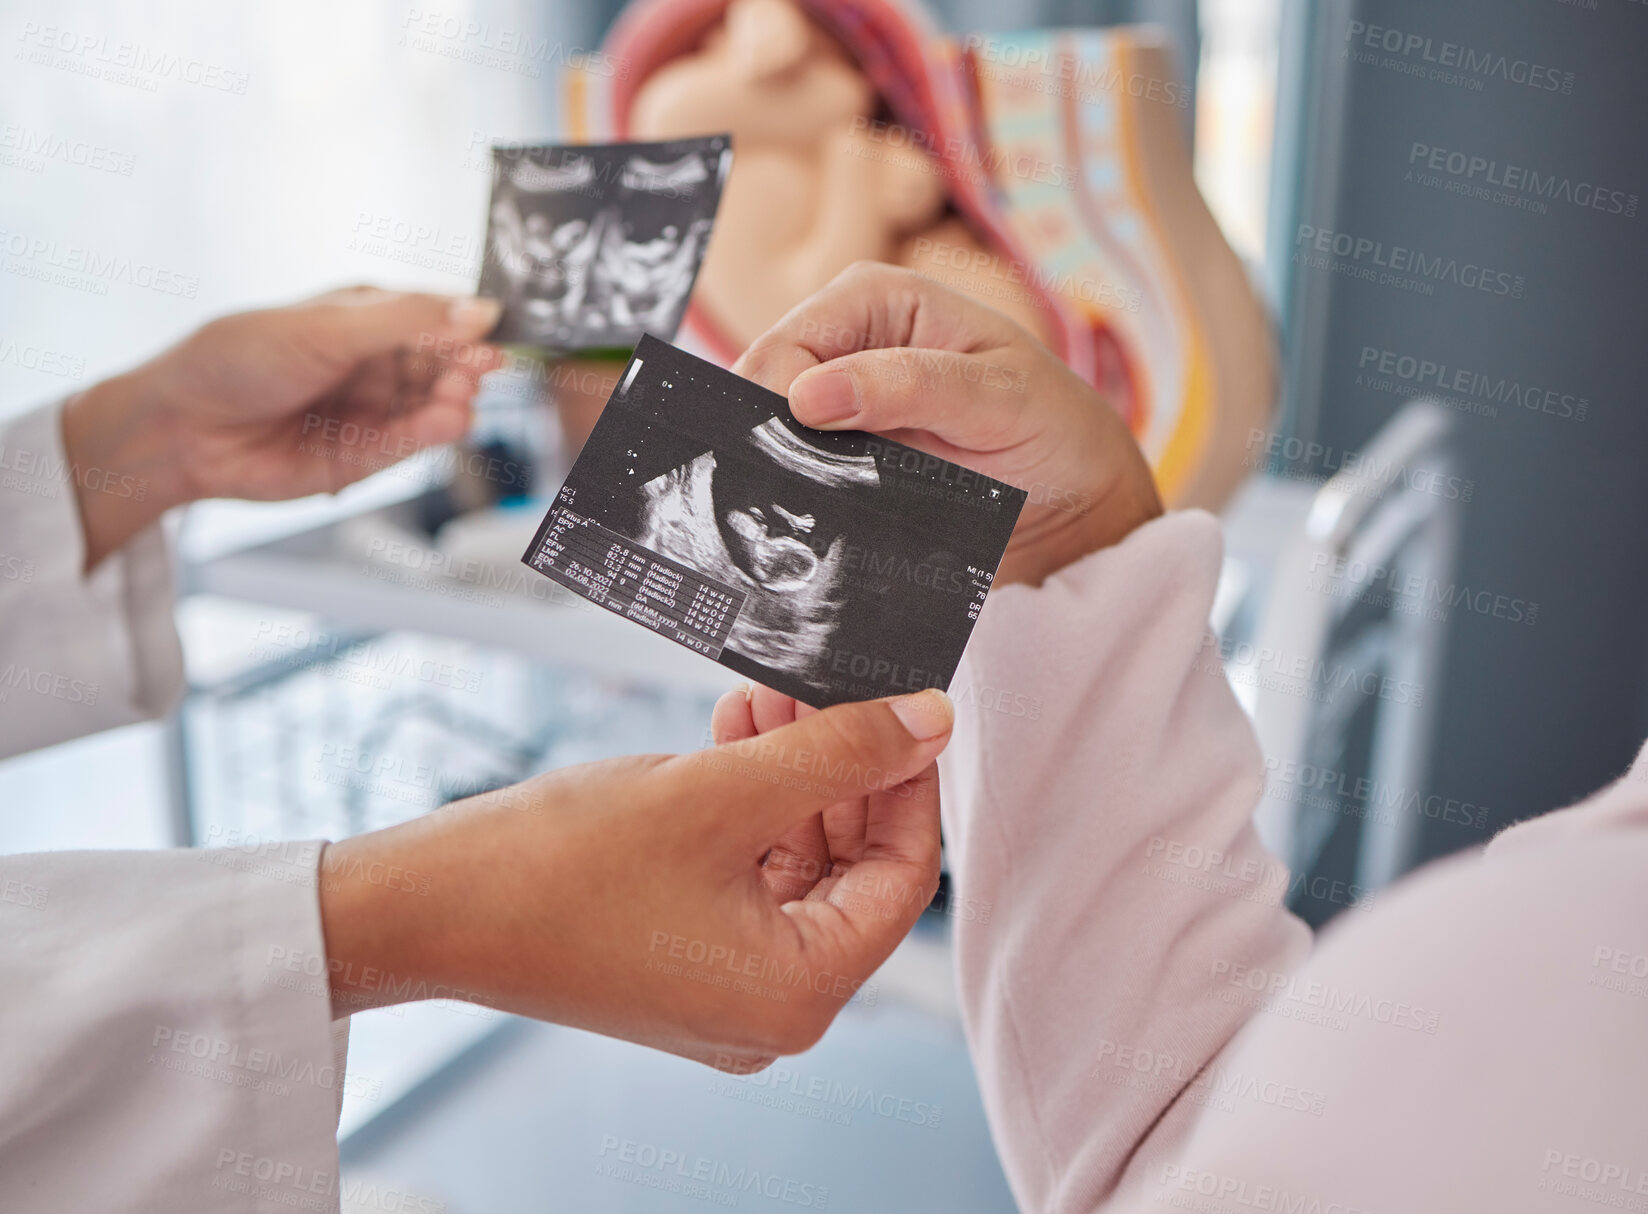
column 830, row 566
column 591, row 246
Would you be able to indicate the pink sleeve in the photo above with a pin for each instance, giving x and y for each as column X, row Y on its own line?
column 1097, row 805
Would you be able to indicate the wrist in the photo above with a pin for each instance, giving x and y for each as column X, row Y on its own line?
column 1127, row 504
column 379, row 949
column 124, row 460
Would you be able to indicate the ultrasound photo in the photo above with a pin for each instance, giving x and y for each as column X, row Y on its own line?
column 830, row 566
column 591, row 246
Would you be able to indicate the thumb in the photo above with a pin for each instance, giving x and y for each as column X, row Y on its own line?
column 870, row 306
column 768, row 783
column 974, row 402
column 362, row 321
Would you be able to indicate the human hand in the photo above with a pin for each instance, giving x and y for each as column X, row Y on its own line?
column 680, row 902
column 885, row 349
column 580, row 388
column 278, row 403
column 820, row 855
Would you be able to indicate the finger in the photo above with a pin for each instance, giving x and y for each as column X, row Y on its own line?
column 356, row 323
column 771, row 709
column 865, row 910
column 731, row 719
column 870, row 306
column 766, row 784
column 902, row 825
column 973, row 402
column 373, row 387
column 800, row 857
column 445, row 417
column 417, row 373
column 387, row 385
column 468, row 360
column 797, row 862
column 843, row 825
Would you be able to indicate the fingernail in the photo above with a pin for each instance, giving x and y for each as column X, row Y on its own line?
column 925, row 714
column 474, row 314
column 826, row 399
column 747, row 690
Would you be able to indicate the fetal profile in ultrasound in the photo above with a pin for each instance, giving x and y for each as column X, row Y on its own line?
column 831, row 566
column 589, row 247
column 770, row 522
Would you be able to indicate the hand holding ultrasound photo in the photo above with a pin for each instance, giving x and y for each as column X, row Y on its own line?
column 831, row 566
column 591, row 246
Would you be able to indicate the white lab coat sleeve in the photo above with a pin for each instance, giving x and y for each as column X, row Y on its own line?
column 166, row 1038
column 77, row 653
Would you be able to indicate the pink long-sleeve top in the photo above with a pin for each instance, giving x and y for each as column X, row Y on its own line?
column 1153, row 1030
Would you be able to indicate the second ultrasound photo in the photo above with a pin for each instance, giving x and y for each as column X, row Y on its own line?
column 591, row 246
column 830, row 566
